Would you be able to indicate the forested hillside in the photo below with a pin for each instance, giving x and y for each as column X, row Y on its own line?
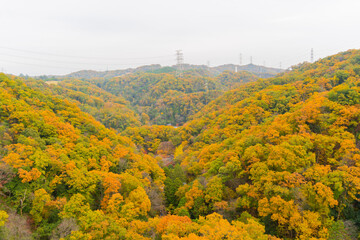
column 110, row 110
column 74, row 178
column 260, row 71
column 159, row 97
column 284, row 150
column 275, row 158
column 167, row 98
column 63, row 165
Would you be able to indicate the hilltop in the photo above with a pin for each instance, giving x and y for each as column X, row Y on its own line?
column 260, row 71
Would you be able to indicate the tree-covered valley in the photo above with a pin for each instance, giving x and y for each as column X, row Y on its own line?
column 191, row 155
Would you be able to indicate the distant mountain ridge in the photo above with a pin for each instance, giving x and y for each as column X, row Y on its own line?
column 260, row 71
column 87, row 74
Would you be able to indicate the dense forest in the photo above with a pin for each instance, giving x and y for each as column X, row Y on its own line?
column 162, row 155
column 147, row 98
column 168, row 98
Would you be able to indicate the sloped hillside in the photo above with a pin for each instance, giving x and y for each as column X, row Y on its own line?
column 112, row 111
column 59, row 164
column 284, row 150
column 170, row 99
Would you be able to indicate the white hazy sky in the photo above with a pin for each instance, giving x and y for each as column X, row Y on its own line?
column 58, row 37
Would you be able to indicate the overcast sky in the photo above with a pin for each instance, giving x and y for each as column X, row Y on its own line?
column 59, row 37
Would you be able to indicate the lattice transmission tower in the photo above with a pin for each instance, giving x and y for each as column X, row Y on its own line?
column 312, row 55
column 179, row 62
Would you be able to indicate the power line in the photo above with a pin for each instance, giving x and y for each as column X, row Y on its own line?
column 59, row 67
column 83, row 57
column 68, row 62
column 37, row 65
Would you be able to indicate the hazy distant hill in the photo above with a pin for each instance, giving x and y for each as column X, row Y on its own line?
column 260, row 71
column 87, row 74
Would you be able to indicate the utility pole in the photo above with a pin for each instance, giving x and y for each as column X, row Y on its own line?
column 179, row 61
column 280, row 65
column 251, row 60
column 312, row 55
